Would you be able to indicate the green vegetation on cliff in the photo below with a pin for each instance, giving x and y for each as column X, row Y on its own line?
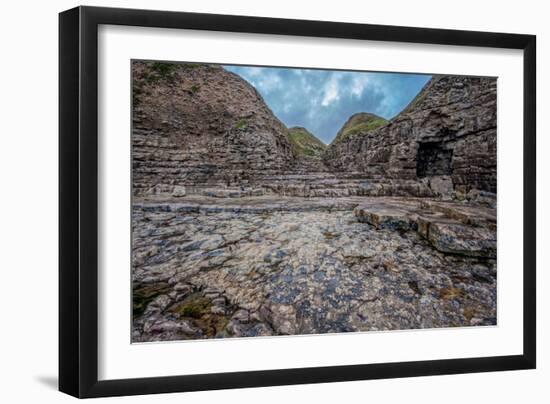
column 304, row 143
column 359, row 123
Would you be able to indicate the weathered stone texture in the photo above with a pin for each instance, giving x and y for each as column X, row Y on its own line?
column 200, row 124
column 239, row 230
column 448, row 130
column 451, row 227
column 218, row 268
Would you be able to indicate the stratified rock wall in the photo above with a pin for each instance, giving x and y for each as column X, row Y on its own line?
column 445, row 137
column 197, row 125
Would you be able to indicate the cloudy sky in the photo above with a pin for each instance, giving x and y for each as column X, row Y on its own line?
column 322, row 100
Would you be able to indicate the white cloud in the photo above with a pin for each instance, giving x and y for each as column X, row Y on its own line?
column 253, row 71
column 322, row 100
column 358, row 84
column 269, row 82
column 331, row 91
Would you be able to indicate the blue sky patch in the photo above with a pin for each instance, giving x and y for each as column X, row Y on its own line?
column 323, row 100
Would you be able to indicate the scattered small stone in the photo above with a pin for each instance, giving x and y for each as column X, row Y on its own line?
column 282, row 275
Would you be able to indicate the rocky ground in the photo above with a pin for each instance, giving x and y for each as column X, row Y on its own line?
column 244, row 227
column 271, row 265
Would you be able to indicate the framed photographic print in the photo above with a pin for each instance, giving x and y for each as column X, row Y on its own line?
column 251, row 201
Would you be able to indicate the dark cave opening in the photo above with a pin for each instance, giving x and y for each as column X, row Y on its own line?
column 433, row 159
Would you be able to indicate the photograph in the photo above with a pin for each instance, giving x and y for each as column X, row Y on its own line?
column 272, row 201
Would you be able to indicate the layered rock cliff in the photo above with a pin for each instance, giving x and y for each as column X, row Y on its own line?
column 446, row 138
column 199, row 128
column 197, row 125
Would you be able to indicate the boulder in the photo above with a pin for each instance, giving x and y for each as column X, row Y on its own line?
column 179, row 191
column 449, row 227
column 442, row 186
column 457, row 238
column 384, row 216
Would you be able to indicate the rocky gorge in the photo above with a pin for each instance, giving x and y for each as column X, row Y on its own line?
column 242, row 227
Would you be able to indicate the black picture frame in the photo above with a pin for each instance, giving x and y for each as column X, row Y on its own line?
column 78, row 201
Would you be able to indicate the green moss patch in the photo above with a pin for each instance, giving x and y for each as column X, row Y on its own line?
column 304, row 143
column 164, row 70
column 359, row 124
column 212, row 324
column 142, row 295
column 159, row 71
column 195, row 306
column 241, row 124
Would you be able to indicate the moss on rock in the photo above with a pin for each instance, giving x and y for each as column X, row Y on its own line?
column 142, row 295
column 362, row 122
column 304, row 143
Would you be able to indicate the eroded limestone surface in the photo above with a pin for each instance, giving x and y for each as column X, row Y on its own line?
column 447, row 135
column 449, row 226
column 196, row 127
column 258, row 266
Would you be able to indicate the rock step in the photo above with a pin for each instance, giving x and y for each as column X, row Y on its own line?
column 310, row 185
column 265, row 206
column 450, row 227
